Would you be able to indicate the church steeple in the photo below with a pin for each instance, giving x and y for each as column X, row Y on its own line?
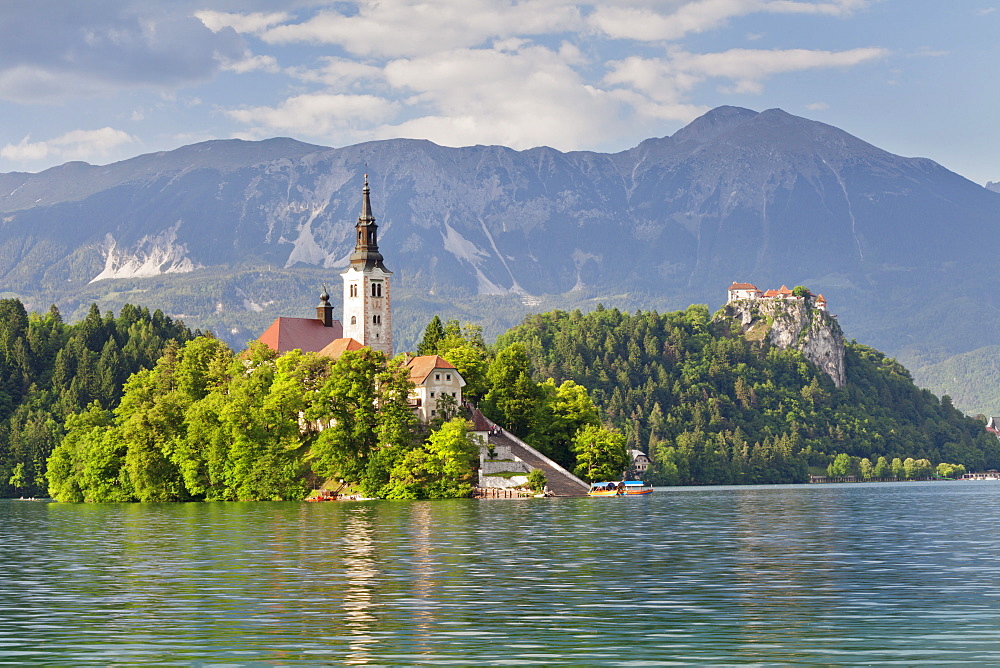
column 367, row 299
column 366, row 255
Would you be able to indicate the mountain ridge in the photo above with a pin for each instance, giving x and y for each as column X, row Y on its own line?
column 766, row 197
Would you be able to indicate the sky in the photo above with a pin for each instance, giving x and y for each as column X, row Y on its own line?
column 105, row 80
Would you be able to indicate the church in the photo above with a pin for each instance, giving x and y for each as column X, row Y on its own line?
column 367, row 309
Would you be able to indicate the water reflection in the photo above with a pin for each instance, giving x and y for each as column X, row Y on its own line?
column 819, row 574
column 361, row 573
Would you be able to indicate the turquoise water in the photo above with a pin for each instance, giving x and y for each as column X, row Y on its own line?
column 900, row 574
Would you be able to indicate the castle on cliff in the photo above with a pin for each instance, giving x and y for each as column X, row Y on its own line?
column 750, row 291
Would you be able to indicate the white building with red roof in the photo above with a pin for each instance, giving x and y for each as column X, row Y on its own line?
column 738, row 291
column 743, row 291
column 433, row 377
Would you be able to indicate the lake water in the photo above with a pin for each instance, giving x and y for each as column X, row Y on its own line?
column 905, row 574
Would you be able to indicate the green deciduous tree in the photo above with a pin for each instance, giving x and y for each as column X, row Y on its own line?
column 600, row 454
column 443, row 467
column 513, row 396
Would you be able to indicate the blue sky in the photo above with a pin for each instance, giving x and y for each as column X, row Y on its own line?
column 103, row 80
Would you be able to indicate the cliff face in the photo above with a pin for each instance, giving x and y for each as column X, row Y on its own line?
column 794, row 324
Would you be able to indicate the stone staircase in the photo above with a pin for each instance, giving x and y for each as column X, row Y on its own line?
column 559, row 481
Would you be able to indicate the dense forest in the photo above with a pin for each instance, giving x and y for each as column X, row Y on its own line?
column 50, row 370
column 206, row 424
column 711, row 407
column 137, row 407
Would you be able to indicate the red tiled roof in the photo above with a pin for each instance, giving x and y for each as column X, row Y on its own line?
column 771, row 293
column 479, row 421
column 742, row 286
column 821, row 298
column 306, row 334
column 338, row 347
column 783, row 290
column 421, row 367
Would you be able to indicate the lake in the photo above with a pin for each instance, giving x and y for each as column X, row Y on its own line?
column 894, row 573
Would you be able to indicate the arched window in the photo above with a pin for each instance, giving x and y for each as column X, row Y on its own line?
column 376, row 288
column 371, row 237
column 354, row 289
column 354, row 320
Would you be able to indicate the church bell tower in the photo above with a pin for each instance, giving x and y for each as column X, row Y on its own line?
column 367, row 302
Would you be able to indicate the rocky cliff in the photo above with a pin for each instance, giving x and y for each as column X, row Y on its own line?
column 794, row 323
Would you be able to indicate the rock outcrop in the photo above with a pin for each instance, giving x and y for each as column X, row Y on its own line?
column 794, row 323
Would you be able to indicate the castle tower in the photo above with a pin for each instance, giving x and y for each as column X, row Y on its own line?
column 367, row 305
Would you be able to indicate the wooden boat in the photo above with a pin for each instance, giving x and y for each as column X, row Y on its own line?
column 623, row 488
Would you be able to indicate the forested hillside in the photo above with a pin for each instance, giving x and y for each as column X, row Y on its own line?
column 49, row 370
column 711, row 407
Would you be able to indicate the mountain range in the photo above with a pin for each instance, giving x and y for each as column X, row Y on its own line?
column 230, row 234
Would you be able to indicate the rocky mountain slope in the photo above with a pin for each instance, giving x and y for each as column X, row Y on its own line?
column 787, row 323
column 230, row 234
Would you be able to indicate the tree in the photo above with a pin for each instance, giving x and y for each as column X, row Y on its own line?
column 17, row 479
column 536, row 480
column 946, row 470
column 600, row 453
column 882, row 468
column 840, row 467
column 442, row 468
column 433, row 334
column 513, row 395
column 866, row 467
column 801, row 291
column 560, row 413
column 897, row 468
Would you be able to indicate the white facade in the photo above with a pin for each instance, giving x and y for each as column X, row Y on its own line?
column 438, row 382
column 367, row 316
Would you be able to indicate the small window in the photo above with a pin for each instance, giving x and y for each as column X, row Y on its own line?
column 432, row 395
column 433, row 412
column 437, row 376
column 354, row 290
column 354, row 319
column 447, row 376
column 454, row 395
column 420, row 402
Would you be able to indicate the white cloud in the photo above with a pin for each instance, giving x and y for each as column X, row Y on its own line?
column 254, row 22
column 318, row 114
column 75, row 145
column 668, row 80
column 397, row 28
column 251, row 63
column 339, row 73
column 53, row 51
column 747, row 65
column 622, row 21
column 525, row 98
column 817, row 106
